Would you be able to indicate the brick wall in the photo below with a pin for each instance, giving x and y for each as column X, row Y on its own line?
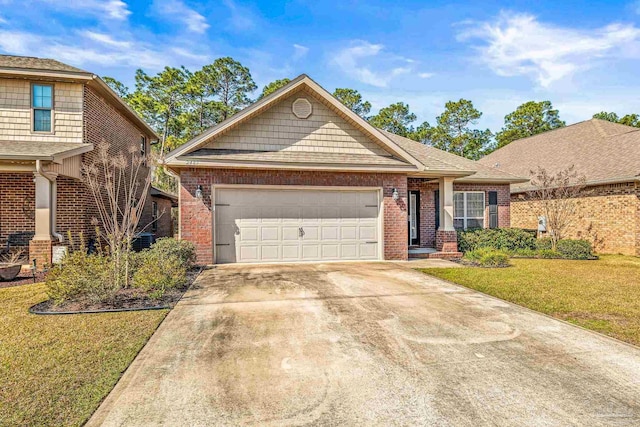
column 428, row 209
column 17, row 204
column 196, row 217
column 103, row 124
column 165, row 221
column 607, row 215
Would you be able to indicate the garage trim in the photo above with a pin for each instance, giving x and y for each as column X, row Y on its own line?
column 378, row 190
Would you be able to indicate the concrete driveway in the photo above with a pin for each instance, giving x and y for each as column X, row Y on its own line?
column 367, row 344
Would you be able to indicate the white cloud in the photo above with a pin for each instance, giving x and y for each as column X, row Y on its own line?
column 240, row 18
column 178, row 11
column 425, row 75
column 113, row 9
column 519, row 44
column 299, row 51
column 370, row 64
column 94, row 49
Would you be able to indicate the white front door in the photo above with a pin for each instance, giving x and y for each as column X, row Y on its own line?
column 413, row 218
column 288, row 225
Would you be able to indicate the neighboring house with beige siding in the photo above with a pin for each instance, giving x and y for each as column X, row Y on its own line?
column 52, row 117
column 607, row 155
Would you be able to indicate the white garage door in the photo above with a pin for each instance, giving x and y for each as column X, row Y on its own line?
column 271, row 225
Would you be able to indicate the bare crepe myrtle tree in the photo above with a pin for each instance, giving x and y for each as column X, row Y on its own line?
column 557, row 194
column 119, row 184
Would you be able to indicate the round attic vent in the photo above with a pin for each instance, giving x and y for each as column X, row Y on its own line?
column 301, row 108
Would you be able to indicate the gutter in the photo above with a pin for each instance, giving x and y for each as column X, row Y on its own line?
column 588, row 183
column 54, row 199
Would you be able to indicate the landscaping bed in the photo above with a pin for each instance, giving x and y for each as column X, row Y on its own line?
column 124, row 300
column 23, row 278
column 601, row 295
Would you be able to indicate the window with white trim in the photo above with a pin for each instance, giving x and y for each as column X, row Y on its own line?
column 42, row 107
column 468, row 209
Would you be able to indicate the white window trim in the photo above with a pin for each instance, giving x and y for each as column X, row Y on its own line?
column 52, row 109
column 465, row 218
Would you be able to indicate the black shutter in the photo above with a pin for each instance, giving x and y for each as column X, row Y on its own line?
column 437, row 203
column 493, row 209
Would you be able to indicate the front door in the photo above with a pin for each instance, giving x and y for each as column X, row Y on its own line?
column 414, row 218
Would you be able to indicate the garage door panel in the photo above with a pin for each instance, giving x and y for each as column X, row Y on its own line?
column 368, row 250
column 367, row 233
column 270, row 252
column 249, row 234
column 269, row 234
column 265, row 224
column 329, row 233
column 330, row 252
column 310, row 252
column 249, row 253
column 290, row 234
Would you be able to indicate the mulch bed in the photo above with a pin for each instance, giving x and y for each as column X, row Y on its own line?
column 124, row 300
column 24, row 278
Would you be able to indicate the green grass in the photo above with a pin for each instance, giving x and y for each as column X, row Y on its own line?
column 55, row 370
column 602, row 295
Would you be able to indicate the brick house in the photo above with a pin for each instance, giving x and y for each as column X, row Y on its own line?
column 297, row 176
column 52, row 117
column 607, row 155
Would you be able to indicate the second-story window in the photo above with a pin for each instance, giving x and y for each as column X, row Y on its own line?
column 42, row 105
column 143, row 146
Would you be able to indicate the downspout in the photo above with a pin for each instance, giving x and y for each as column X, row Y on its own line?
column 54, row 200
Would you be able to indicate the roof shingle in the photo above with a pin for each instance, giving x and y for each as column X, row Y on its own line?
column 32, row 63
column 598, row 149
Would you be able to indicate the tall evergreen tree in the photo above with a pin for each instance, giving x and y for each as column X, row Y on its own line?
column 530, row 118
column 353, row 100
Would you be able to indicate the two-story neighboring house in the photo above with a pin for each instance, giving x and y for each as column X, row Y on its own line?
column 52, row 116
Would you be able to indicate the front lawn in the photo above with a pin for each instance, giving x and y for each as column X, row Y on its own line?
column 55, row 370
column 602, row 295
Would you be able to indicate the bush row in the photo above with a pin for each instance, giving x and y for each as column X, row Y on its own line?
column 90, row 277
column 523, row 243
column 487, row 257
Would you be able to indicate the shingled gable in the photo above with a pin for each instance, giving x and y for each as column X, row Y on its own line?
column 202, row 149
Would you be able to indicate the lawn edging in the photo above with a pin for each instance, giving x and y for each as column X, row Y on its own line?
column 34, row 310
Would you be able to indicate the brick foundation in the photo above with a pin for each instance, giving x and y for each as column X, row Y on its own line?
column 41, row 251
column 446, row 241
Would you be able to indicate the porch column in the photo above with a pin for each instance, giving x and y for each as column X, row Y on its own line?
column 41, row 244
column 446, row 238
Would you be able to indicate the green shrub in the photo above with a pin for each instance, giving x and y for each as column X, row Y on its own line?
column 575, row 249
column 549, row 254
column 524, row 253
column 544, row 243
column 81, row 277
column 184, row 250
column 487, row 257
column 504, row 239
column 164, row 266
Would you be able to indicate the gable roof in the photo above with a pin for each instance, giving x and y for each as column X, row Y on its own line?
column 602, row 151
column 45, row 69
column 405, row 154
column 302, row 82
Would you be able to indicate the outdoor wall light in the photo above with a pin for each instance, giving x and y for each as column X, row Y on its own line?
column 199, row 192
column 395, row 194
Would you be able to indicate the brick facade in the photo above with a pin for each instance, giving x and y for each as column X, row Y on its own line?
column 196, row 218
column 428, row 207
column 607, row 215
column 164, row 224
column 17, row 204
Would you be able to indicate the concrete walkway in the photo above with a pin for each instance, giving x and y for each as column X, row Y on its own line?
column 367, row 344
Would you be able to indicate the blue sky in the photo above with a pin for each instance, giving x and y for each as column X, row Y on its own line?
column 583, row 56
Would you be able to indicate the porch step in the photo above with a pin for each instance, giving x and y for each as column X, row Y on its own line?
column 436, row 255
